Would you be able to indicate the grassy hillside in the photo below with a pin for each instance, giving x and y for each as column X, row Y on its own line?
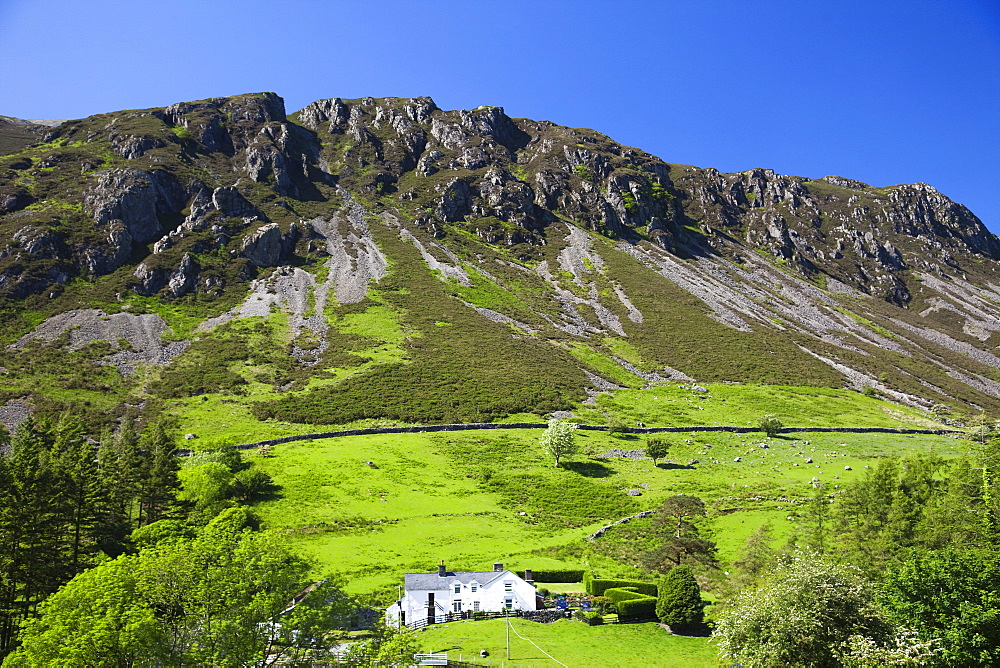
column 473, row 498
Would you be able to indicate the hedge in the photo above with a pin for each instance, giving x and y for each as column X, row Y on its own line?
column 630, row 604
column 597, row 587
column 556, row 576
column 618, row 594
column 636, row 609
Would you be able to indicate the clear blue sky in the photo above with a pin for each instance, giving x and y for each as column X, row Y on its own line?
column 881, row 91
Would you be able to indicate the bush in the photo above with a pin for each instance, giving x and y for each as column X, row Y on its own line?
column 597, row 587
column 630, row 604
column 679, row 602
column 248, row 485
column 616, row 427
column 657, row 448
column 637, row 608
column 602, row 604
column 619, row 594
column 770, row 424
column 590, row 618
column 569, row 575
column 940, row 410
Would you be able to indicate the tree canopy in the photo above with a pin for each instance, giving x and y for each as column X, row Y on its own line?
column 223, row 598
column 805, row 614
column 559, row 439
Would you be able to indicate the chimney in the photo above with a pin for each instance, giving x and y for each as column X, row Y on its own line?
column 497, row 567
column 528, row 575
column 442, row 571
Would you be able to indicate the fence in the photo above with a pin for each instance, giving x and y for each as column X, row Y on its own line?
column 460, row 616
column 185, row 452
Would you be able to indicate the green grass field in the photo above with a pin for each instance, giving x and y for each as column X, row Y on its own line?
column 569, row 642
column 473, row 498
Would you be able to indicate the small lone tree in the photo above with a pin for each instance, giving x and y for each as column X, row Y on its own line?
column 678, row 601
column 657, row 448
column 981, row 428
column 770, row 424
column 559, row 439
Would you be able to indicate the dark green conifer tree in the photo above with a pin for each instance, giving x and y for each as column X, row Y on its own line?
column 678, row 602
column 158, row 490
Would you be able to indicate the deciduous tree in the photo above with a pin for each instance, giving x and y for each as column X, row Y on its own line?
column 657, row 448
column 559, row 439
column 800, row 616
column 223, row 598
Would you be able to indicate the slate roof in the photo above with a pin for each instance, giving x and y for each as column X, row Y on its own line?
column 433, row 581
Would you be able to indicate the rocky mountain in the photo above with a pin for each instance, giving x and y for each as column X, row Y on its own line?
column 433, row 265
column 16, row 133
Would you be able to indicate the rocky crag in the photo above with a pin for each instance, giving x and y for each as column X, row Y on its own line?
column 629, row 268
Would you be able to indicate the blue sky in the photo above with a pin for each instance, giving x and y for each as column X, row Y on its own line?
column 885, row 92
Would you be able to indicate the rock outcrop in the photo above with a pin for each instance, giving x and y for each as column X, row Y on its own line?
column 205, row 197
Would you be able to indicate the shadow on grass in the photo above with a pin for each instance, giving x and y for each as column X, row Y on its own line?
column 270, row 494
column 670, row 465
column 691, row 630
column 589, row 469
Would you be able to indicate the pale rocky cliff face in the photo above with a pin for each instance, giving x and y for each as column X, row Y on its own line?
column 201, row 198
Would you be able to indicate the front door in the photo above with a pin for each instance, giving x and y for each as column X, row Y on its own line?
column 430, row 608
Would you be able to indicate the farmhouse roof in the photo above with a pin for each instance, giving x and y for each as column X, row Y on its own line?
column 432, row 581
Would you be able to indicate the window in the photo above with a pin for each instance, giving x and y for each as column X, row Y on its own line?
column 458, row 588
column 508, row 602
column 457, row 606
column 475, row 606
column 508, row 585
column 474, row 587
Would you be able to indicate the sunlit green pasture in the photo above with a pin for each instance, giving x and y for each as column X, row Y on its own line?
column 570, row 642
column 473, row 498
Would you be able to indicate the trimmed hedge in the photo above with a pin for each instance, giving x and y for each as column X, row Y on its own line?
column 618, row 594
column 630, row 604
column 556, row 576
column 637, row 608
column 597, row 587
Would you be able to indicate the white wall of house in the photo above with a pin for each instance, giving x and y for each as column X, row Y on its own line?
column 502, row 590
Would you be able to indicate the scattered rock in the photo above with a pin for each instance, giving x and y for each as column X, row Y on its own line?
column 627, row 454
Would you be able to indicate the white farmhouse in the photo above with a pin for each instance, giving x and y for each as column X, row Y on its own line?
column 433, row 597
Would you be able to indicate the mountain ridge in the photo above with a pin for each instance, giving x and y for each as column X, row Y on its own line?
column 610, row 264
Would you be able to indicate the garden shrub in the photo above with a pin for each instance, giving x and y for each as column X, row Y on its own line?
column 630, row 604
column 679, row 603
column 637, row 608
column 619, row 594
column 597, row 587
column 591, row 618
column 569, row 575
